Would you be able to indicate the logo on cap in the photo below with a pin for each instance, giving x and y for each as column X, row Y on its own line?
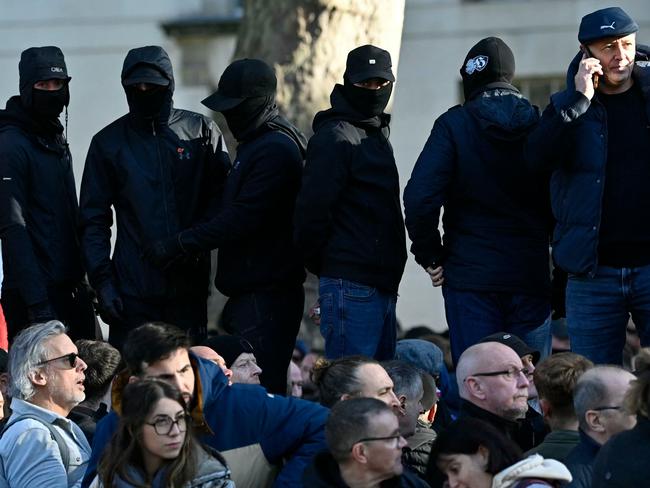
column 602, row 27
column 372, row 61
column 56, row 69
column 477, row 63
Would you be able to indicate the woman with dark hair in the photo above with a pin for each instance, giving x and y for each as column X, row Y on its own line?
column 153, row 446
column 473, row 454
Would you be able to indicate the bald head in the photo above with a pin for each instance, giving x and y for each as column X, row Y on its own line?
column 211, row 355
column 504, row 394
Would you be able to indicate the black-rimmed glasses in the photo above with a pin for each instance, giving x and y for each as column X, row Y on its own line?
column 510, row 373
column 164, row 425
column 71, row 358
column 394, row 437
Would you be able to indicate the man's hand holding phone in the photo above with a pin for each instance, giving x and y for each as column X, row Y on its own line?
column 586, row 78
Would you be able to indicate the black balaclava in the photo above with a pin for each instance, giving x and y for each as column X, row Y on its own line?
column 370, row 103
column 489, row 64
column 39, row 64
column 249, row 115
column 146, row 103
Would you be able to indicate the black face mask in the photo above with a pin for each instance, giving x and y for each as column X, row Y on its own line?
column 246, row 116
column 369, row 102
column 48, row 104
column 146, row 103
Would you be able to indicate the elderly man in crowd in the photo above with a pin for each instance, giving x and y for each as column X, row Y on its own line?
column 39, row 445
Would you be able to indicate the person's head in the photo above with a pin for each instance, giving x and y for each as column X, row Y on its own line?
column 528, row 355
column 210, row 354
column 148, row 81
column 245, row 95
column 609, row 35
column 45, row 369
column 470, row 452
column 363, row 437
column 489, row 64
column 491, row 376
column 368, row 79
column 598, row 402
column 294, row 380
column 556, row 378
column 353, row 376
column 409, row 389
column 103, row 362
column 153, row 432
column 239, row 356
column 157, row 350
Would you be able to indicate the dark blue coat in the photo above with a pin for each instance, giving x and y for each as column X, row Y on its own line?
column 496, row 211
column 287, row 430
column 571, row 139
column 580, row 461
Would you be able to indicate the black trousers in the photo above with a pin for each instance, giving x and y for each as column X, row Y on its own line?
column 71, row 305
column 270, row 321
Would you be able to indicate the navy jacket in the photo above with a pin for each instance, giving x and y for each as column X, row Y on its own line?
column 38, row 207
column 161, row 176
column 496, row 211
column 580, row 461
column 571, row 139
column 253, row 229
column 348, row 221
column 287, row 430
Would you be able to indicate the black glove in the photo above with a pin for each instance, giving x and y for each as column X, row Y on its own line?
column 40, row 312
column 110, row 304
column 164, row 252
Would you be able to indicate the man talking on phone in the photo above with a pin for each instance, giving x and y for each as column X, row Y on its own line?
column 594, row 135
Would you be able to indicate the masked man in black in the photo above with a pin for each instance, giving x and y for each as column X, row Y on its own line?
column 161, row 170
column 38, row 202
column 349, row 223
column 258, row 267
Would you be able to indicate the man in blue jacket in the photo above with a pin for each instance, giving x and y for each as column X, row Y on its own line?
column 494, row 260
column 254, row 430
column 594, row 135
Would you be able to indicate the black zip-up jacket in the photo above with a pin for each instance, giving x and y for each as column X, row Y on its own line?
column 348, row 217
column 497, row 216
column 254, row 227
column 38, row 207
column 160, row 175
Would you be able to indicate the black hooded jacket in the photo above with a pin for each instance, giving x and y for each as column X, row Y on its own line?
column 38, row 205
column 254, row 227
column 348, row 217
column 161, row 175
column 497, row 217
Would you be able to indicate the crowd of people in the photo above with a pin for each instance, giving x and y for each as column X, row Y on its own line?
column 515, row 395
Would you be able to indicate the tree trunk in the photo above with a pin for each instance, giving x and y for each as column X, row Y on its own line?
column 307, row 42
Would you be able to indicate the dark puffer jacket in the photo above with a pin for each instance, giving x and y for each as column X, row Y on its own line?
column 496, row 211
column 38, row 206
column 348, row 221
column 571, row 138
column 161, row 175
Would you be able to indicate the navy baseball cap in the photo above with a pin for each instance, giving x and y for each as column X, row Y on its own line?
column 367, row 62
column 145, row 73
column 606, row 22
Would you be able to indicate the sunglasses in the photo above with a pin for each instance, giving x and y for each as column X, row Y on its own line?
column 71, row 358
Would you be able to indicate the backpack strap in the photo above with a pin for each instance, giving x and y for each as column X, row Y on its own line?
column 54, row 434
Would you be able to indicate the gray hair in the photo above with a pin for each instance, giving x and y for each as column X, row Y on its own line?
column 592, row 390
column 407, row 379
column 27, row 350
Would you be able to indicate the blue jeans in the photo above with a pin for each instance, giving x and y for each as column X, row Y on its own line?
column 472, row 315
column 357, row 319
column 599, row 308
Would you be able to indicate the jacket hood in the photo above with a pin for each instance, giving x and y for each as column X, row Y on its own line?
column 205, row 386
column 154, row 56
column 503, row 113
column 343, row 110
column 15, row 115
column 535, row 467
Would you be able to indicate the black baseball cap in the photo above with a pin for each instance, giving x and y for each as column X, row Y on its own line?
column 242, row 79
column 42, row 63
column 145, row 73
column 606, row 22
column 365, row 62
column 513, row 342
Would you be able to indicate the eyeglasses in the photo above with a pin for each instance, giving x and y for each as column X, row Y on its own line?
column 395, row 437
column 71, row 358
column 509, row 374
column 164, row 425
column 599, row 409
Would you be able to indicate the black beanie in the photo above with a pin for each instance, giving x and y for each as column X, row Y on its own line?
column 229, row 347
column 38, row 64
column 489, row 64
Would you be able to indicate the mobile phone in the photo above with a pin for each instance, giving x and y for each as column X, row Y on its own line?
column 595, row 77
